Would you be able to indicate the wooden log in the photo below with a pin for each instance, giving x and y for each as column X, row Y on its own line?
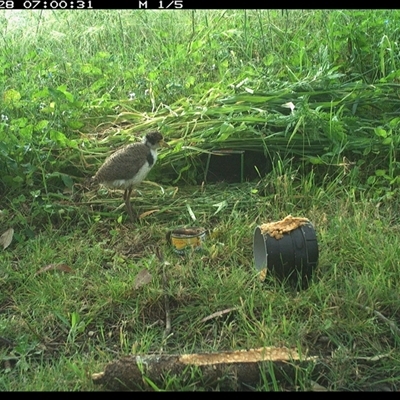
column 230, row 370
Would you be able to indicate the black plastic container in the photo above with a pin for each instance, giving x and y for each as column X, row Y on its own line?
column 293, row 258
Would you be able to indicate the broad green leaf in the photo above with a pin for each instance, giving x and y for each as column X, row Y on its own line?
column 18, row 179
column 20, row 122
column 11, row 96
column 58, row 137
column 68, row 182
column 75, row 124
column 41, row 125
column 190, row 81
column 26, row 131
column 40, row 94
column 394, row 122
column 380, row 172
column 380, row 132
column 68, row 95
column 315, row 160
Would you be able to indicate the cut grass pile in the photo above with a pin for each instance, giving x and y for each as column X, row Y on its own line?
column 207, row 80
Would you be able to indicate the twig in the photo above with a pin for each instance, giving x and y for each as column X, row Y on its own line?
column 6, row 342
column 373, row 358
column 392, row 325
column 167, row 310
column 160, row 256
column 218, row 314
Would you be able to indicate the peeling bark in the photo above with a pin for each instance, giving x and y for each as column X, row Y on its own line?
column 232, row 370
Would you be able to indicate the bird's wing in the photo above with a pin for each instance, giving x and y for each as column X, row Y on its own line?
column 124, row 163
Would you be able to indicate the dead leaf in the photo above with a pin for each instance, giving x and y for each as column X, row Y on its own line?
column 175, row 192
column 58, row 267
column 6, row 238
column 142, row 278
column 147, row 213
column 316, row 387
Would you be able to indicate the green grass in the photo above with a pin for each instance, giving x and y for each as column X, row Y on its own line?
column 76, row 85
column 73, row 323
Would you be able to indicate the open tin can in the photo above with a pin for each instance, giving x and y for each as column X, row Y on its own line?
column 183, row 239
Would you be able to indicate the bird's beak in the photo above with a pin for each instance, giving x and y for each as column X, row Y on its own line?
column 164, row 144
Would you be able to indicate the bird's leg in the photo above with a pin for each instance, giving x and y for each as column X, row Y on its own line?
column 127, row 196
column 125, row 193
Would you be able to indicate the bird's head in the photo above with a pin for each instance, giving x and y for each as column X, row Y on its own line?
column 154, row 140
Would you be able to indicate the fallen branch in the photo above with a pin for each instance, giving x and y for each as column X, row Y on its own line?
column 232, row 370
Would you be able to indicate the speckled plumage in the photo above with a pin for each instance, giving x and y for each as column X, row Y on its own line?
column 124, row 164
column 129, row 165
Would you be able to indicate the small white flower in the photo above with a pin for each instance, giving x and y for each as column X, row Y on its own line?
column 146, row 92
column 132, row 96
column 4, row 118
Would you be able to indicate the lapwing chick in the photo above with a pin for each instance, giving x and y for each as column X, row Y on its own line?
column 128, row 166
